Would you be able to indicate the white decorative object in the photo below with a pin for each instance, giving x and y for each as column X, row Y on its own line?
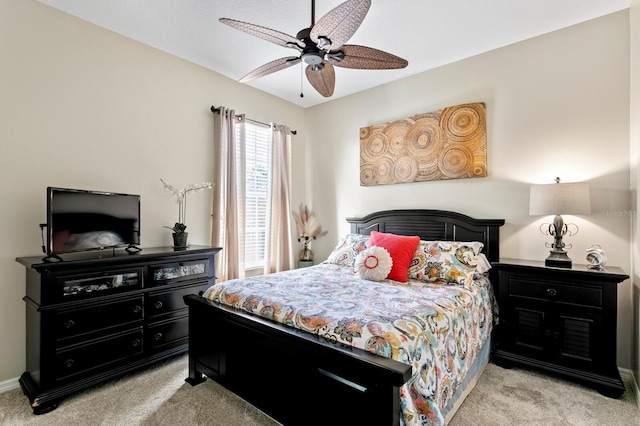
column 373, row 264
column 596, row 257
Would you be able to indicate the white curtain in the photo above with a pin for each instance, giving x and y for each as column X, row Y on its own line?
column 229, row 194
column 278, row 250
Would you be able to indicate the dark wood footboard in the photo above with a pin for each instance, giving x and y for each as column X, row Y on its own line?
column 295, row 377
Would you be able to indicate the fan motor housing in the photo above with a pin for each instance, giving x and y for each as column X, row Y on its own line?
column 311, row 55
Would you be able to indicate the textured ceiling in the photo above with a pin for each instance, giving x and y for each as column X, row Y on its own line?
column 427, row 33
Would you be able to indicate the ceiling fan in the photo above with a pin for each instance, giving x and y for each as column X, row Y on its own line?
column 322, row 46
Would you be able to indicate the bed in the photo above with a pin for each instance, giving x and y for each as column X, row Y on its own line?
column 328, row 375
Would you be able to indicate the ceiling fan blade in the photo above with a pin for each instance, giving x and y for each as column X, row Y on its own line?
column 368, row 58
column 323, row 80
column 271, row 67
column 339, row 24
column 276, row 37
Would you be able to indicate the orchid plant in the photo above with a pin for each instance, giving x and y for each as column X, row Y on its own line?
column 181, row 199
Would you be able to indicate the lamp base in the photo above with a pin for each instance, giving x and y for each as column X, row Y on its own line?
column 558, row 259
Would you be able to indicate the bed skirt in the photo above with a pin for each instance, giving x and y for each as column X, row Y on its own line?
column 469, row 381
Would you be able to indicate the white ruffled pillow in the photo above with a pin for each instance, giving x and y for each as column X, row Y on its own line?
column 373, row 264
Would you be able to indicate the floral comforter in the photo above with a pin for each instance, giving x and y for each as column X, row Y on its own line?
column 437, row 329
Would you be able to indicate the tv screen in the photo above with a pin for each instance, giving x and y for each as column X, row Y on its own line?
column 80, row 220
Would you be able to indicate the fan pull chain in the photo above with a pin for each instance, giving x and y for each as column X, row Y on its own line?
column 301, row 79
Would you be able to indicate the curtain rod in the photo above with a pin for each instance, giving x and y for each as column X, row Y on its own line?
column 217, row 110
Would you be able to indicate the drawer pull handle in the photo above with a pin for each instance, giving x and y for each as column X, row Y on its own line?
column 69, row 324
column 552, row 291
column 158, row 305
column 137, row 309
column 69, row 363
column 157, row 336
column 135, row 343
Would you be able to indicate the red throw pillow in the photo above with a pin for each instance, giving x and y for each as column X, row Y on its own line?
column 401, row 248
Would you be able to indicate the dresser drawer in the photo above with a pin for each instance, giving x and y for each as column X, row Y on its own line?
column 165, row 302
column 583, row 295
column 97, row 353
column 174, row 272
column 166, row 334
column 95, row 318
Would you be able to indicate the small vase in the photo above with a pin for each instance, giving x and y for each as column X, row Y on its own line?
column 180, row 239
column 306, row 253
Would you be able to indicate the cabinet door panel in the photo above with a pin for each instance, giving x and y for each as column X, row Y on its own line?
column 530, row 328
column 577, row 341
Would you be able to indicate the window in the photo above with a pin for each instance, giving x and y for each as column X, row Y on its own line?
column 257, row 182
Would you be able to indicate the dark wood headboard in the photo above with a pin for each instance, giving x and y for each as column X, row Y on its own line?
column 434, row 225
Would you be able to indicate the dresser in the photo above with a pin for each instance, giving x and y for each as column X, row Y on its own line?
column 95, row 316
column 560, row 320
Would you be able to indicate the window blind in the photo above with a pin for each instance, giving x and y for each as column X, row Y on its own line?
column 257, row 183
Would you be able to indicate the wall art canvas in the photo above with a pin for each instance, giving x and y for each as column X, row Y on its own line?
column 450, row 143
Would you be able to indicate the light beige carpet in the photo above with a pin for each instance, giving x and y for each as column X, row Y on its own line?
column 159, row 396
column 524, row 397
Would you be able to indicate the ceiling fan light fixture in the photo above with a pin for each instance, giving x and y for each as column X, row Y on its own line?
column 312, row 58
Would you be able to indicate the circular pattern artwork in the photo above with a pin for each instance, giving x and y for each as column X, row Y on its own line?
column 446, row 144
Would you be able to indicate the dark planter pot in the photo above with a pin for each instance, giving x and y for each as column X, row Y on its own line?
column 180, row 239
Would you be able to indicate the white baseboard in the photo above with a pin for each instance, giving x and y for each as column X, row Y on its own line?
column 8, row 385
column 628, row 376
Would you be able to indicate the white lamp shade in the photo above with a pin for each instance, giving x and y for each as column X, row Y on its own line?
column 559, row 199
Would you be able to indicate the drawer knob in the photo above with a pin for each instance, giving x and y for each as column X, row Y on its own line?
column 137, row 309
column 69, row 363
column 552, row 291
column 135, row 343
column 69, row 324
column 157, row 336
column 158, row 305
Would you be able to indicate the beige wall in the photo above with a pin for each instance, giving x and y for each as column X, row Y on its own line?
column 82, row 107
column 635, row 179
column 557, row 105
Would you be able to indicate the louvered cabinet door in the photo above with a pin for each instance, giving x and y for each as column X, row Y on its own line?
column 560, row 320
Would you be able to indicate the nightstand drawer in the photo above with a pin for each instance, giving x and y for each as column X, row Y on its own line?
column 552, row 291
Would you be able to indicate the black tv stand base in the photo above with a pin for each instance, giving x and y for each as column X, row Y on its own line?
column 52, row 258
column 133, row 249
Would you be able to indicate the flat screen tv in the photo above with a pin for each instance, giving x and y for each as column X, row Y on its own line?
column 81, row 220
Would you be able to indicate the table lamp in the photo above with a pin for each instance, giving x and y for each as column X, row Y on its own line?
column 558, row 199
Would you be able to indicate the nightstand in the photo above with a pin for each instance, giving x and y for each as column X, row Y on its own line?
column 305, row 263
column 560, row 320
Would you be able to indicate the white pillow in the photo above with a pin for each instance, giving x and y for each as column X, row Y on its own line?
column 373, row 264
